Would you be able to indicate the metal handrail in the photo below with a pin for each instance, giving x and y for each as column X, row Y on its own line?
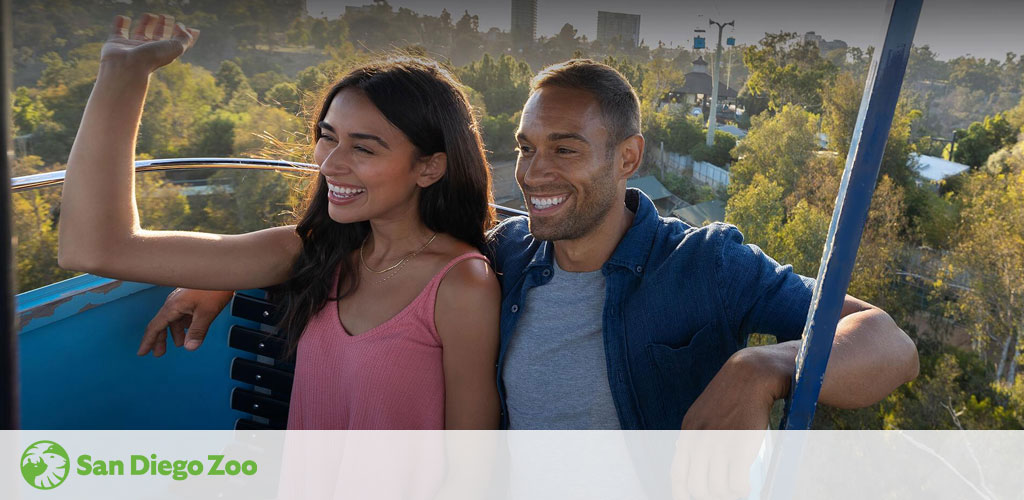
column 56, row 178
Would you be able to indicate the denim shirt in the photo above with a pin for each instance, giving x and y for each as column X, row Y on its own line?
column 679, row 302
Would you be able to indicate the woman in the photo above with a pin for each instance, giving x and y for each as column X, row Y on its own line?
column 381, row 271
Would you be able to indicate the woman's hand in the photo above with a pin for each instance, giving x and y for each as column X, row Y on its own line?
column 156, row 41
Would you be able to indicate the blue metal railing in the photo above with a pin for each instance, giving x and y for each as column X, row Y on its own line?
column 881, row 93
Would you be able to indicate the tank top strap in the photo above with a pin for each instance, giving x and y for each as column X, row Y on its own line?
column 428, row 298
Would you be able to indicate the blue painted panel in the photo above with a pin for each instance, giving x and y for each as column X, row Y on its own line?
column 79, row 369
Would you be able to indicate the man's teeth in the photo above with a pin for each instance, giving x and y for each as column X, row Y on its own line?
column 344, row 192
column 548, row 202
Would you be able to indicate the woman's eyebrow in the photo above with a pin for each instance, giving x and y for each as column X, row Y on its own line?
column 370, row 137
column 356, row 135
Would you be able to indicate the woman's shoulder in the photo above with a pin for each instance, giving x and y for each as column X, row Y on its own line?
column 469, row 276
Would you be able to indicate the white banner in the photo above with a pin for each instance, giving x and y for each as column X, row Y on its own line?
column 516, row 464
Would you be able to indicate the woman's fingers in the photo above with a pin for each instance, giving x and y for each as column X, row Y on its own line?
column 185, row 35
column 121, row 25
column 163, row 28
column 144, row 30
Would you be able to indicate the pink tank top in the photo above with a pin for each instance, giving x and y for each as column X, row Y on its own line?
column 390, row 377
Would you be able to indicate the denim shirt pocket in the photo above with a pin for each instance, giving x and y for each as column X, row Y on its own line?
column 684, row 370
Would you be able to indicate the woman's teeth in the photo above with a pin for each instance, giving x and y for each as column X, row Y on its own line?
column 344, row 192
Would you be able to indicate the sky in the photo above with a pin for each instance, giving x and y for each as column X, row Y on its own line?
column 983, row 28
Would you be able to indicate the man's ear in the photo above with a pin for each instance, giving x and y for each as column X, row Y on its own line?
column 631, row 154
column 432, row 169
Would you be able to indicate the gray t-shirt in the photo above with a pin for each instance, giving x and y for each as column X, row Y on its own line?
column 555, row 371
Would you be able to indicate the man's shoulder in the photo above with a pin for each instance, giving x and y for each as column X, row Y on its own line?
column 676, row 237
column 511, row 234
column 511, row 240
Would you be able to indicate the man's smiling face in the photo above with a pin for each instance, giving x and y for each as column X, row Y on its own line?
column 565, row 163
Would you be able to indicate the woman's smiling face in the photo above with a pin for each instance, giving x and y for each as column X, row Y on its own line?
column 369, row 164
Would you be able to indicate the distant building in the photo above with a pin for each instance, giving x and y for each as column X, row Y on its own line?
column 524, row 23
column 663, row 199
column 617, row 28
column 696, row 93
column 934, row 170
column 825, row 46
column 702, row 213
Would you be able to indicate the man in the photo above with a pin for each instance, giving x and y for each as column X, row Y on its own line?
column 613, row 317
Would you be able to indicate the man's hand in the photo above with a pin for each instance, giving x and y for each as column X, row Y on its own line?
column 739, row 398
column 742, row 393
column 184, row 308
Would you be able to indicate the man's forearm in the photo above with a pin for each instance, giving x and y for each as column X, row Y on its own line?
column 870, row 358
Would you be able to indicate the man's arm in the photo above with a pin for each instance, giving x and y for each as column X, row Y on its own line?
column 871, row 357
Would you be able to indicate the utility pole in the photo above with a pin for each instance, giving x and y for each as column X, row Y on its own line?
column 714, row 81
column 728, row 71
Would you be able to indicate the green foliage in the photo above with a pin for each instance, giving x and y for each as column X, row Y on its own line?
column 777, row 147
column 35, row 239
column 975, row 73
column 499, row 135
column 216, row 138
column 262, row 82
column 679, row 132
column 685, row 188
column 504, row 82
column 981, row 139
column 27, row 110
column 758, row 212
column 231, row 80
column 787, row 71
column 840, row 107
column 987, row 260
column 720, row 153
column 285, row 95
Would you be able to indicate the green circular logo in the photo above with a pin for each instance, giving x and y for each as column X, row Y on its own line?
column 44, row 465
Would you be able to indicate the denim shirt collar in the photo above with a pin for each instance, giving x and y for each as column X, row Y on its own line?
column 633, row 249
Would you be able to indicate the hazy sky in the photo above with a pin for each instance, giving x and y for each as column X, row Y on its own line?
column 986, row 28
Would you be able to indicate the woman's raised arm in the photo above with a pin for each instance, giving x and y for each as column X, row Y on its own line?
column 99, row 222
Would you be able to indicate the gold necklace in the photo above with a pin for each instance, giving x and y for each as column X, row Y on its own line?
column 362, row 260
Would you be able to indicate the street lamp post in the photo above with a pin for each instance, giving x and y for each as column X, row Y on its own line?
column 714, row 81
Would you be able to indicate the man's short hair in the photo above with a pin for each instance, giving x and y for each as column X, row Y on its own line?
column 616, row 97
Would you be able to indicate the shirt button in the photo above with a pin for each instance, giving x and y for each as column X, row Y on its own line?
column 639, row 269
column 515, row 307
column 547, row 272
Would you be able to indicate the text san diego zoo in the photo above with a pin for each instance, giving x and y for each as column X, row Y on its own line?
column 140, row 465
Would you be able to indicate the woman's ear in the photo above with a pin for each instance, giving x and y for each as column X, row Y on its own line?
column 432, row 169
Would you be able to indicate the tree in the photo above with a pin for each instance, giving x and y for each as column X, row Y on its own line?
column 27, row 111
column 216, row 138
column 787, row 70
column 981, row 139
column 777, row 147
column 840, row 108
column 975, row 74
column 925, row 66
column 503, row 82
column 285, row 95
column 988, row 259
column 720, row 153
column 231, row 80
column 758, row 212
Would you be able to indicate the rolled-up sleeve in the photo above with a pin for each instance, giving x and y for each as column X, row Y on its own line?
column 759, row 294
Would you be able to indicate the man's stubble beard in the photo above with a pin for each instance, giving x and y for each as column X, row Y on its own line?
column 580, row 220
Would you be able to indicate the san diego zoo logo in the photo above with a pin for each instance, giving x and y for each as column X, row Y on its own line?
column 45, row 465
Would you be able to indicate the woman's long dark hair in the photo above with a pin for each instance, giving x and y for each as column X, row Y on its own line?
column 425, row 102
